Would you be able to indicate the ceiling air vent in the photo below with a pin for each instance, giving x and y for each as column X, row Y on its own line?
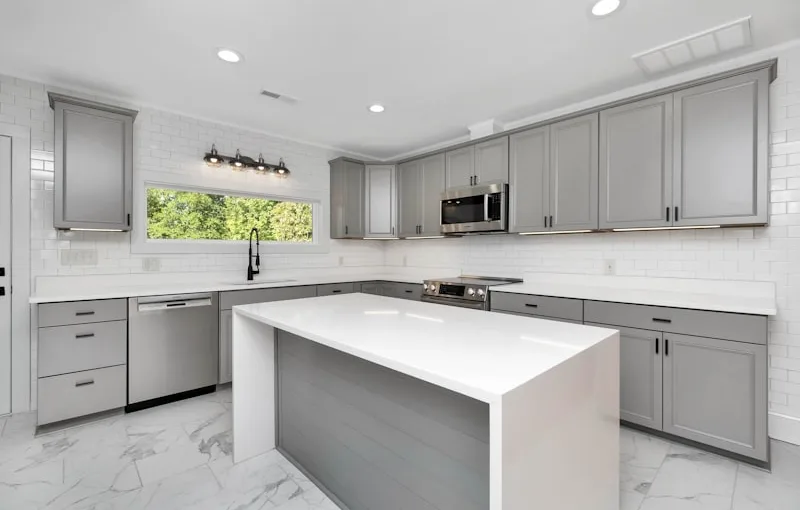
column 709, row 43
column 277, row 96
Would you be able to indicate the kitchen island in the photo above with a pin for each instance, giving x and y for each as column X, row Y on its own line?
column 388, row 403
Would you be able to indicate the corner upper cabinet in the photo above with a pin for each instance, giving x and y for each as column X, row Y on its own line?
column 93, row 164
column 347, row 198
column 529, row 180
column 460, row 167
column 409, row 202
column 381, row 201
column 720, row 152
column 491, row 161
column 574, row 173
column 636, row 164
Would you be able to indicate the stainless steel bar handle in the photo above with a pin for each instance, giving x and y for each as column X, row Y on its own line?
column 167, row 305
column 486, row 208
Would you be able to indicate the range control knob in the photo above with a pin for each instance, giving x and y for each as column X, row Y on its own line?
column 481, row 292
column 471, row 291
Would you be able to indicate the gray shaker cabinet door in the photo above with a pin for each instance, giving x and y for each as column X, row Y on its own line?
column 225, row 346
column 409, row 199
column 94, row 168
column 432, row 179
column 574, row 173
column 720, row 152
column 715, row 393
column 491, row 161
column 460, row 165
column 381, row 201
column 354, row 199
column 640, row 399
column 636, row 164
column 338, row 198
column 529, row 180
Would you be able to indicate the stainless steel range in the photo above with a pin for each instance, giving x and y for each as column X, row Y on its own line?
column 464, row 291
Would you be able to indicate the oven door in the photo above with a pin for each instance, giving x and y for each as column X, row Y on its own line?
column 474, row 209
column 461, row 303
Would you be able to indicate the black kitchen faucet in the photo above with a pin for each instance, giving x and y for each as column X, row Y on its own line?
column 250, row 270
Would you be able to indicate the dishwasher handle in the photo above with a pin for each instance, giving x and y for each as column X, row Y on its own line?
column 170, row 305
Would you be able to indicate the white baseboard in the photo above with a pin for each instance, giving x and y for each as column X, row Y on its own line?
column 784, row 428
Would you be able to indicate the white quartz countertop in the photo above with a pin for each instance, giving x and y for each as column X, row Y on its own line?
column 757, row 298
column 125, row 291
column 480, row 354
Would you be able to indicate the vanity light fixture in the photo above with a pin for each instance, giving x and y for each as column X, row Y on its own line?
column 695, row 227
column 213, row 158
column 547, row 232
column 281, row 170
column 261, row 167
column 237, row 163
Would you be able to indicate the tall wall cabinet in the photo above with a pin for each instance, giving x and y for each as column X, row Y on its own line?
column 347, row 198
column 421, row 185
column 93, row 164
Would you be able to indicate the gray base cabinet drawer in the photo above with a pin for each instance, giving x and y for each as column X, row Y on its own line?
column 730, row 326
column 64, row 349
column 71, row 395
column 540, row 317
column 411, row 291
column 82, row 312
column 370, row 288
column 335, row 288
column 715, row 392
column 543, row 306
column 230, row 299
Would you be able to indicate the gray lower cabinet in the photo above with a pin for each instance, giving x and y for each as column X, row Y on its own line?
column 636, row 164
column 82, row 358
column 381, row 201
column 715, row 393
column 412, row 291
column 460, row 167
column 225, row 346
column 529, row 180
column 721, row 152
column 93, row 180
column 333, row 289
column 370, row 288
column 537, row 306
column 420, row 185
column 347, row 198
column 574, row 173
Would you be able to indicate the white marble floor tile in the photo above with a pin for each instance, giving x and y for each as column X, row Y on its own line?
column 641, row 456
column 212, row 435
column 177, row 459
column 2, row 424
column 759, row 490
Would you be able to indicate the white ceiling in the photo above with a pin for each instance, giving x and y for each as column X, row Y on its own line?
column 437, row 65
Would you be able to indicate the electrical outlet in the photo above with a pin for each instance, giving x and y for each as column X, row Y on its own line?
column 341, row 260
column 610, row 267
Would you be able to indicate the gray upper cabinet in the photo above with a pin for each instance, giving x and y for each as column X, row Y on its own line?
column 636, row 164
column 460, row 167
column 93, row 164
column 715, row 393
column 409, row 201
column 381, row 201
column 720, row 152
column 432, row 180
column 491, row 161
column 574, row 173
column 347, row 199
column 529, row 180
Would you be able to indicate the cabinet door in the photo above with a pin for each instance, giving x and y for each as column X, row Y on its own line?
column 640, row 395
column 432, row 179
column 636, row 164
column 715, row 393
column 380, row 202
column 460, row 167
column 338, row 198
column 491, row 160
column 388, row 289
column 720, row 152
column 225, row 346
column 354, row 199
column 573, row 173
column 371, row 288
column 409, row 198
column 94, row 168
column 529, row 180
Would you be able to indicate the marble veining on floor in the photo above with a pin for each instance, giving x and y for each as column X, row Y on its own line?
column 179, row 456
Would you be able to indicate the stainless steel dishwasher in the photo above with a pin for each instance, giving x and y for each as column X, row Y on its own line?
column 173, row 347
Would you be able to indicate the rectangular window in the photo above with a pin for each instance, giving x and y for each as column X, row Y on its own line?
column 194, row 215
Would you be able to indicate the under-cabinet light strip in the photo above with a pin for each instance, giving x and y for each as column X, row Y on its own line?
column 555, row 232
column 664, row 228
column 379, row 238
column 97, row 229
column 425, row 237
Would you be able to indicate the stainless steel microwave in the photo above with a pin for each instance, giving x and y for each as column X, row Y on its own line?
column 475, row 209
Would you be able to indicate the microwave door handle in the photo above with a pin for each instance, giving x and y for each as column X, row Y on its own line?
column 486, row 208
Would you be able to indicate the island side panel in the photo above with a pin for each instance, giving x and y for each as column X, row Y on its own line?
column 253, row 387
column 376, row 438
column 559, row 440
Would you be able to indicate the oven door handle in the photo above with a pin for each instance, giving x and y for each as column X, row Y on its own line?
column 461, row 303
column 486, row 208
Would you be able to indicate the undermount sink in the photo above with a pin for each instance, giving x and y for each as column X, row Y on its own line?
column 261, row 282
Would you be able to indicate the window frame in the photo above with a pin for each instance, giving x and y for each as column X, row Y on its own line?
column 246, row 186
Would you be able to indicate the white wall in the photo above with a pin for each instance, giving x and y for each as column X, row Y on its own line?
column 763, row 254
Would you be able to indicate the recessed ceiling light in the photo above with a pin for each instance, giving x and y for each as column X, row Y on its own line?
column 605, row 7
column 376, row 108
column 229, row 55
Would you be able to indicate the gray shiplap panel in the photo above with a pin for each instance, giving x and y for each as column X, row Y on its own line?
column 360, row 440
